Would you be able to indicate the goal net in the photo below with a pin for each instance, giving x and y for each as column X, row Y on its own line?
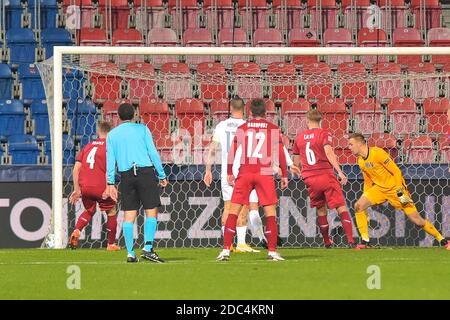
column 396, row 97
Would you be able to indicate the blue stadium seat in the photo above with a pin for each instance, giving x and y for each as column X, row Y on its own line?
column 6, row 82
column 23, row 149
column 49, row 10
column 68, row 147
column 83, row 118
column 32, row 88
column 73, row 84
column 1, row 154
column 14, row 12
column 12, row 118
column 55, row 37
column 39, row 114
column 22, row 44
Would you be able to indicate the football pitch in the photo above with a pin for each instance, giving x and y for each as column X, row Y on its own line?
column 412, row 273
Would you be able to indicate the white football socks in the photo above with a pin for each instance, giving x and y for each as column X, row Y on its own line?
column 255, row 224
column 241, row 233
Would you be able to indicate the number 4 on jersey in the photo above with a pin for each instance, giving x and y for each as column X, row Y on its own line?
column 91, row 157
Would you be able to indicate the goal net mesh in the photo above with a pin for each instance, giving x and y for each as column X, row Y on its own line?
column 398, row 105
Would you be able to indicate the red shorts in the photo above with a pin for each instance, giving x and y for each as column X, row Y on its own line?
column 264, row 186
column 324, row 190
column 90, row 196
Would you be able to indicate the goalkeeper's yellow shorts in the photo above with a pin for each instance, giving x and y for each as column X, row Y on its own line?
column 376, row 196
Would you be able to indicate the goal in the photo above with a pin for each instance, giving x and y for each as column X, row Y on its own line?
column 397, row 97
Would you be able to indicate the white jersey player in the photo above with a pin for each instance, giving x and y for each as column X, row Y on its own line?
column 223, row 136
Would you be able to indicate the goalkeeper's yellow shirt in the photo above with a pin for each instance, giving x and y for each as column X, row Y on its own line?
column 379, row 169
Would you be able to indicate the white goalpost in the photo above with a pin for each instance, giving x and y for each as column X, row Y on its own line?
column 53, row 74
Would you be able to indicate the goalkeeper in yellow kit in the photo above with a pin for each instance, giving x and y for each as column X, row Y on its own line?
column 383, row 181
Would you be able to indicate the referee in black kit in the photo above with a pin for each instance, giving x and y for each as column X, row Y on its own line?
column 130, row 146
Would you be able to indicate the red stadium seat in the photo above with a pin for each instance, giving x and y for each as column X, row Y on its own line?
column 128, row 38
column 356, row 13
column 219, row 13
column 407, row 37
column 155, row 14
column 394, row 13
column 168, row 149
column 404, row 116
column 439, row 37
column 385, row 141
column 162, row 37
column 120, row 11
column 219, row 109
column 247, row 78
column 419, row 150
column 427, row 11
column 343, row 153
column 326, row 13
column 191, row 117
column 254, row 14
column 338, row 38
column 186, row 16
column 283, row 81
column 426, row 87
column 268, row 38
column 372, row 38
column 303, row 38
column 104, row 85
column 233, row 38
column 444, row 149
column 141, row 88
column 317, row 77
column 368, row 116
column 212, row 79
column 435, row 110
column 271, row 112
column 198, row 38
column 293, row 113
column 79, row 14
column 110, row 112
column 177, row 82
column 93, row 37
column 289, row 14
column 350, row 74
column 388, row 88
column 156, row 116
column 335, row 116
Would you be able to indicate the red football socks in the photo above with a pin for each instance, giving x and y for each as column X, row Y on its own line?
column 111, row 228
column 271, row 233
column 324, row 228
column 346, row 221
column 230, row 231
column 83, row 220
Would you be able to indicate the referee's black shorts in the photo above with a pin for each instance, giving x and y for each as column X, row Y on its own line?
column 142, row 188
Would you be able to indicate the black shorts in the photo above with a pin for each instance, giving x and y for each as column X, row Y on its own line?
column 142, row 189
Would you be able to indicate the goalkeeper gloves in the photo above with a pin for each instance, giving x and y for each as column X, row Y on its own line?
column 404, row 199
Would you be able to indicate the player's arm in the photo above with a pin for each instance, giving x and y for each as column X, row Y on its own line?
column 230, row 160
column 368, row 183
column 154, row 157
column 386, row 161
column 283, row 163
column 111, row 190
column 76, row 194
column 332, row 158
column 207, row 179
column 297, row 159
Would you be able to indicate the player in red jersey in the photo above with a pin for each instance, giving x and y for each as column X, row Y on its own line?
column 261, row 144
column 89, row 180
column 313, row 149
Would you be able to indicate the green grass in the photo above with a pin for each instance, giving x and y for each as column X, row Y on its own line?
column 193, row 274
